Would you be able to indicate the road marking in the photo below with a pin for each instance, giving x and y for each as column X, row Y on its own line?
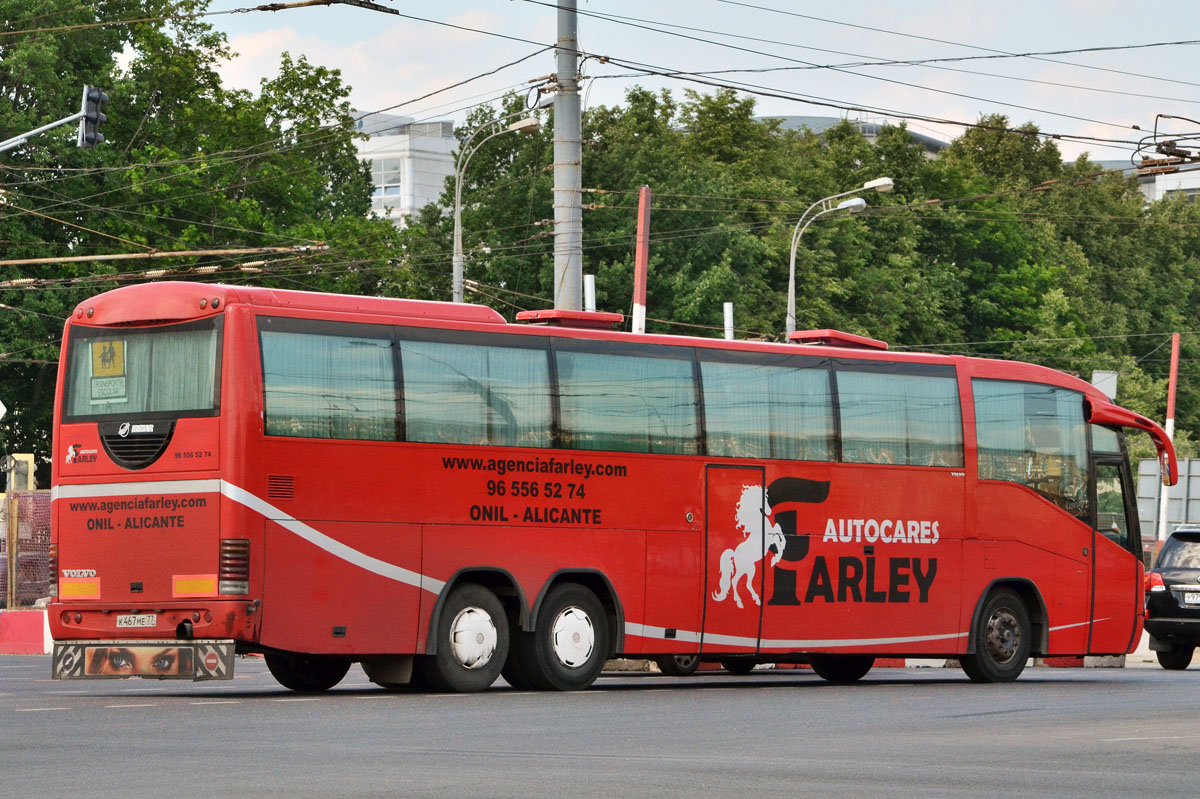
column 144, row 690
column 147, row 704
column 218, row 702
column 37, row 709
column 1151, row 738
column 300, row 699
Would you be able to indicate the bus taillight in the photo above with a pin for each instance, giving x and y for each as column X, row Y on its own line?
column 234, row 573
column 52, row 557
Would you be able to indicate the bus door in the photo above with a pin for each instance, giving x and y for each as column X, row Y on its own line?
column 1116, row 557
column 737, row 554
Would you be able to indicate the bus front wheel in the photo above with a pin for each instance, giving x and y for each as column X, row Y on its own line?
column 568, row 648
column 307, row 673
column 1002, row 639
column 472, row 642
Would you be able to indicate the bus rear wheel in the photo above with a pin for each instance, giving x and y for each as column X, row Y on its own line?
column 472, row 642
column 842, row 668
column 678, row 665
column 1002, row 639
column 307, row 673
column 567, row 650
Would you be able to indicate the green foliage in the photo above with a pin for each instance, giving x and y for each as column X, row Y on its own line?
column 188, row 164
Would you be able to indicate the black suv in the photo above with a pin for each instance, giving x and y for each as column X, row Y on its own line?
column 1173, row 599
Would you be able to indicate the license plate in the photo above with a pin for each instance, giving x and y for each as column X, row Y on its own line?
column 1191, row 598
column 151, row 619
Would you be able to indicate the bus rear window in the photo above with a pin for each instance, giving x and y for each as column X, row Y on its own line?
column 170, row 370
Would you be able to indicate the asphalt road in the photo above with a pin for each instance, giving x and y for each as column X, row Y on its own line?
column 899, row 733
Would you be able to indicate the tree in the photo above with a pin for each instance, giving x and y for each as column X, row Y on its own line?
column 188, row 164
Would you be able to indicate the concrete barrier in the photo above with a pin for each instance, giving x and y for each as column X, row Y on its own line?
column 24, row 632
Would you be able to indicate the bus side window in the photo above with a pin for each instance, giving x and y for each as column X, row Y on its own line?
column 319, row 385
column 627, row 402
column 464, row 393
column 902, row 419
column 764, row 411
column 1034, row 435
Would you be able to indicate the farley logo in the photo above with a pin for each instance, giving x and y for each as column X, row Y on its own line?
column 123, row 430
column 768, row 521
column 77, row 454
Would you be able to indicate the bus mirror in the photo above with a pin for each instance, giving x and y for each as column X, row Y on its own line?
column 1097, row 412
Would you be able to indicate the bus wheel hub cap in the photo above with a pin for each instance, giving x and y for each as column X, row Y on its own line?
column 473, row 637
column 573, row 637
column 1003, row 636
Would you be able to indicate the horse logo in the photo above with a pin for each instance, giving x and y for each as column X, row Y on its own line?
column 737, row 563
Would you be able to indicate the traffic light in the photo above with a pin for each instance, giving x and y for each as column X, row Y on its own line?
column 94, row 100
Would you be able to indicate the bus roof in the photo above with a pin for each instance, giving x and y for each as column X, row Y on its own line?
column 176, row 301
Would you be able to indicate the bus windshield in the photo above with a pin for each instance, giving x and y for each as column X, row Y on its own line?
column 169, row 370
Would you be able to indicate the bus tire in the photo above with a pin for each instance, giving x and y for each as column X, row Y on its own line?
column 1002, row 639
column 472, row 642
column 1177, row 659
column 842, row 669
column 567, row 650
column 678, row 665
column 739, row 664
column 307, row 673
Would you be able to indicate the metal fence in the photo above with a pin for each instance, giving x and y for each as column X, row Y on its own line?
column 1183, row 498
column 25, row 547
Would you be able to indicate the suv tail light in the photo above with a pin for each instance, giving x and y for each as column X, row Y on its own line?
column 233, row 575
column 1154, row 582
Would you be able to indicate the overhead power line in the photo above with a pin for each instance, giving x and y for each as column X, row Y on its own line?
column 995, row 53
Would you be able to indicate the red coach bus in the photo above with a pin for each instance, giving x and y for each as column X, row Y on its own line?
column 444, row 497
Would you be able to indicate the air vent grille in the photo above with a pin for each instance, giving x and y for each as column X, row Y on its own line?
column 135, row 446
column 281, row 486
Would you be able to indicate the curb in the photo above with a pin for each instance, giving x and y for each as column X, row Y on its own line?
column 25, row 632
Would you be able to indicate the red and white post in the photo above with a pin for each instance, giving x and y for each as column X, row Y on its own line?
column 641, row 260
column 1170, row 427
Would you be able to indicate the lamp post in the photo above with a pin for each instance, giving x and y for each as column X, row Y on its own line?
column 822, row 207
column 529, row 126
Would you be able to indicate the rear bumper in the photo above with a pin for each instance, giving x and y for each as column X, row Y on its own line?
column 202, row 619
column 1181, row 630
column 160, row 660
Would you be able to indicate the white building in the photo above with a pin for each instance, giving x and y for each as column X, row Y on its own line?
column 410, row 162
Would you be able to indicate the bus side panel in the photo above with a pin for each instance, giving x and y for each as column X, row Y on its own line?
column 320, row 602
column 1022, row 536
column 674, row 591
column 1118, row 598
column 859, row 585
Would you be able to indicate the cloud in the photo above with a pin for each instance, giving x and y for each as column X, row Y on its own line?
column 396, row 62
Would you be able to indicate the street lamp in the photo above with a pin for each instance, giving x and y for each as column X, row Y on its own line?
column 825, row 206
column 529, row 126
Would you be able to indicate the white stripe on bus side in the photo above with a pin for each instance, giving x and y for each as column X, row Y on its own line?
column 243, row 497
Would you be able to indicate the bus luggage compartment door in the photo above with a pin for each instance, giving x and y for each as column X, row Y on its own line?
column 738, row 554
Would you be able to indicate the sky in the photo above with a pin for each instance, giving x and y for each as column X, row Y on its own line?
column 390, row 60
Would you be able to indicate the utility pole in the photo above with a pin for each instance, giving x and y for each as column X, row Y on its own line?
column 568, row 162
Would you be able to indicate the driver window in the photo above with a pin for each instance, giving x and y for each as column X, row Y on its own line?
column 1110, row 505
